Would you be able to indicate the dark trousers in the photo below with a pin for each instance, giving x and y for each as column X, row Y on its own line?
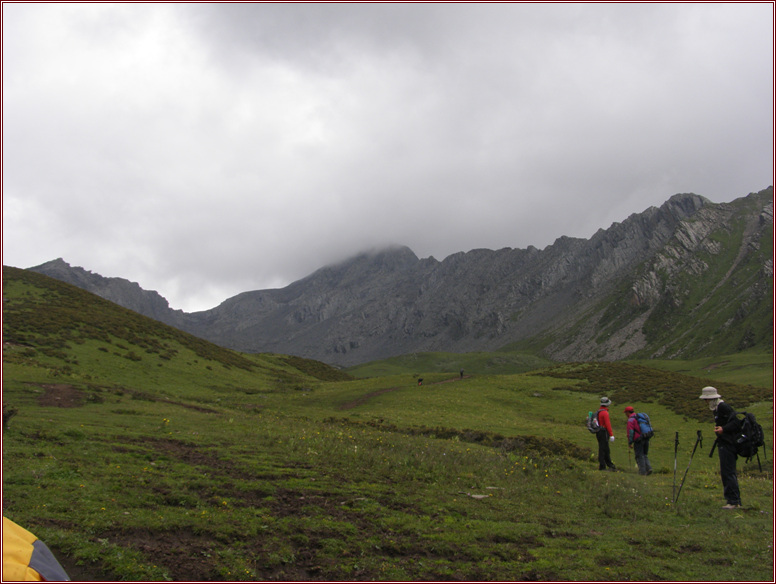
column 641, row 450
column 604, row 456
column 727, row 470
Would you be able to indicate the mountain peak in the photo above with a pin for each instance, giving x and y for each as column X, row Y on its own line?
column 56, row 264
column 602, row 298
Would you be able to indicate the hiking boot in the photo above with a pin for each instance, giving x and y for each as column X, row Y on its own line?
column 649, row 472
column 731, row 506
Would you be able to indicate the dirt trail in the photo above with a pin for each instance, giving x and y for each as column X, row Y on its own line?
column 365, row 398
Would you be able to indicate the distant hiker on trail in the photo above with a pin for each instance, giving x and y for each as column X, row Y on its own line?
column 726, row 427
column 420, row 381
column 639, row 443
column 604, row 436
column 461, row 373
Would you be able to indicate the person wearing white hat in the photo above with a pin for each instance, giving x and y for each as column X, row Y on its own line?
column 604, row 436
column 725, row 427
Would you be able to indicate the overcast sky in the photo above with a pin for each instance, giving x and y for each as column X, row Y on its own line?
column 203, row 150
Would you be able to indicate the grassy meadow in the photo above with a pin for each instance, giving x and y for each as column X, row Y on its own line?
column 138, row 454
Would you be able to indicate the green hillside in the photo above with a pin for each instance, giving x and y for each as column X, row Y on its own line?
column 700, row 324
column 60, row 331
column 727, row 309
column 714, row 301
column 140, row 453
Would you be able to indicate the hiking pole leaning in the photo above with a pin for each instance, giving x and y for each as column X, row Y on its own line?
column 699, row 440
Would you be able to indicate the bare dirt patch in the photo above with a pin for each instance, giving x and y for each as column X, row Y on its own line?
column 62, row 395
column 193, row 455
column 186, row 556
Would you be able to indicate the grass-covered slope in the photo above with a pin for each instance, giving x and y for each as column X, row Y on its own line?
column 704, row 294
column 58, row 331
column 726, row 308
column 138, row 453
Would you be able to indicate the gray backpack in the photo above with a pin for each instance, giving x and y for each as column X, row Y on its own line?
column 592, row 422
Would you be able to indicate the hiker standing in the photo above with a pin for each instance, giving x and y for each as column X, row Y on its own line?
column 604, row 436
column 725, row 427
column 639, row 443
column 461, row 373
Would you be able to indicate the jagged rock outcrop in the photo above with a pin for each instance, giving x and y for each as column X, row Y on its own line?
column 118, row 290
column 577, row 298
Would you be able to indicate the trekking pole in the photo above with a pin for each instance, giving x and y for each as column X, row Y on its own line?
column 676, row 448
column 698, row 441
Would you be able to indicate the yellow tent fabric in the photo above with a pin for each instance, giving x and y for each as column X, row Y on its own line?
column 26, row 558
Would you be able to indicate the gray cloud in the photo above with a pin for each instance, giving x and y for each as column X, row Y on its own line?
column 207, row 149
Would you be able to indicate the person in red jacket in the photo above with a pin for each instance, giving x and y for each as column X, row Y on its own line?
column 605, row 436
column 636, row 441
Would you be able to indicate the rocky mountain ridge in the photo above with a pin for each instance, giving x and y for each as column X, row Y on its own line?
column 604, row 298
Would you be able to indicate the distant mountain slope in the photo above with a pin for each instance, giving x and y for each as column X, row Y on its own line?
column 118, row 290
column 45, row 319
column 684, row 279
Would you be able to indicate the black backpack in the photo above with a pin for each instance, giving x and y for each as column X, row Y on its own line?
column 750, row 436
